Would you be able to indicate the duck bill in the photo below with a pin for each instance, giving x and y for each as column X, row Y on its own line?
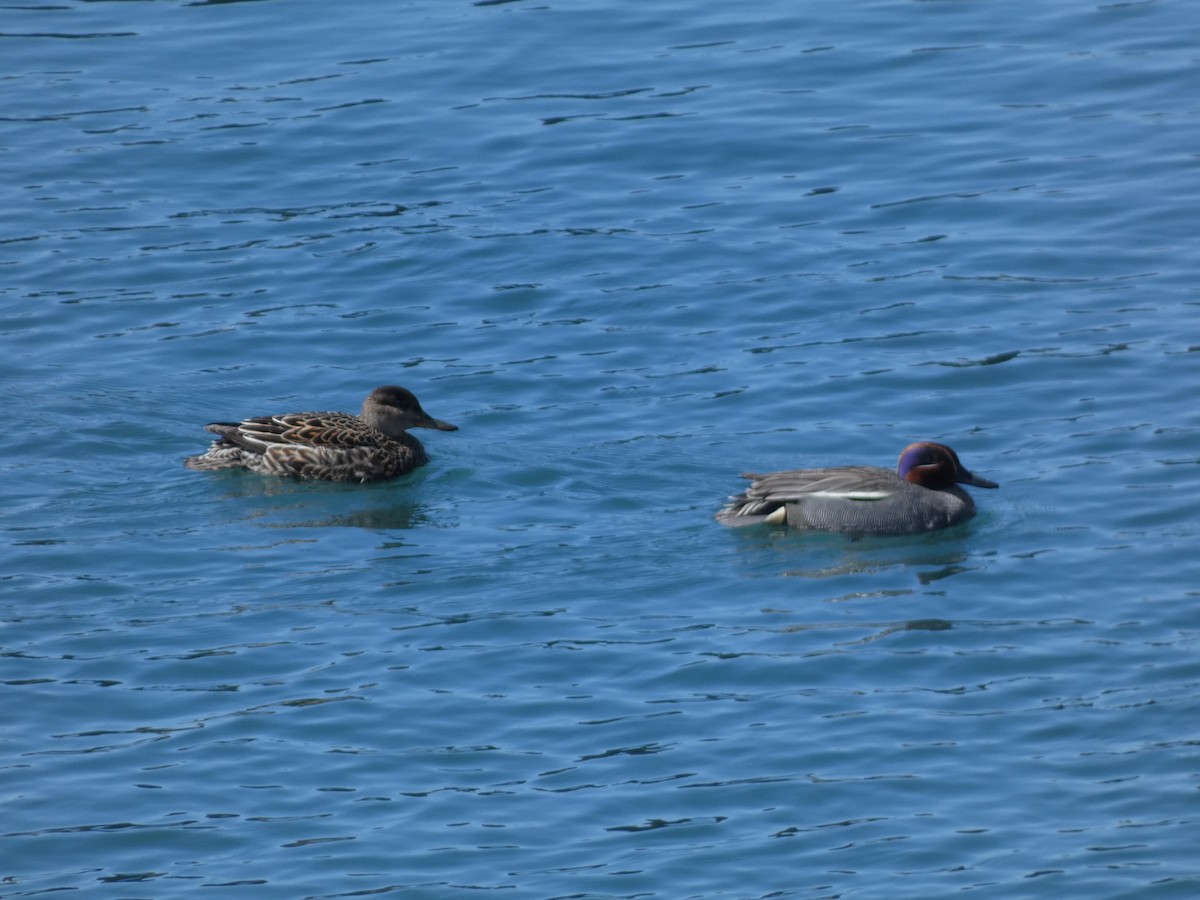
column 974, row 480
column 437, row 424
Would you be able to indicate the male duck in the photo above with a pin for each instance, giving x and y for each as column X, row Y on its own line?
column 334, row 446
column 921, row 495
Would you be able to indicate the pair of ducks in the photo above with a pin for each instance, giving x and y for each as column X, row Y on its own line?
column 923, row 494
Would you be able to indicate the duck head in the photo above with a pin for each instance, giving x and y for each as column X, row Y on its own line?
column 393, row 410
column 936, row 466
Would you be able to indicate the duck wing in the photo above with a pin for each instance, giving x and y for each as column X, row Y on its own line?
column 320, row 429
column 768, row 497
column 847, row 482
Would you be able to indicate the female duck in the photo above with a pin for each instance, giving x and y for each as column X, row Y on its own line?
column 334, row 446
column 921, row 495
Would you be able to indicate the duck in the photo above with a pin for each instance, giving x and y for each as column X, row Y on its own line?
column 331, row 446
column 921, row 495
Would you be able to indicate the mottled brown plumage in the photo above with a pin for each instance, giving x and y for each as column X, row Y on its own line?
column 333, row 446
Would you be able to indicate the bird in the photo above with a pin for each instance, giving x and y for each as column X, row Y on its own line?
column 921, row 495
column 332, row 446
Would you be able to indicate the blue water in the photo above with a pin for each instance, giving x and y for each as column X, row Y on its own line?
column 632, row 250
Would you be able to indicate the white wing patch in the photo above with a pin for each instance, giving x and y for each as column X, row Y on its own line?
column 851, row 495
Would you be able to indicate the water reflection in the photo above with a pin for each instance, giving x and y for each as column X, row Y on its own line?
column 938, row 562
column 284, row 503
